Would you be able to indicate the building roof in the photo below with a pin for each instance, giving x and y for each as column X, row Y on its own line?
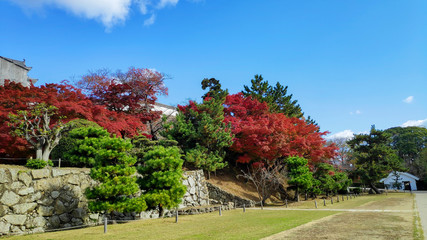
column 401, row 174
column 165, row 106
column 17, row 63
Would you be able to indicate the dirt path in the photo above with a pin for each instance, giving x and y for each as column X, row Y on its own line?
column 421, row 199
column 391, row 218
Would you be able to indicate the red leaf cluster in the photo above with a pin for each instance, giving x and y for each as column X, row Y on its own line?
column 133, row 92
column 264, row 136
column 71, row 103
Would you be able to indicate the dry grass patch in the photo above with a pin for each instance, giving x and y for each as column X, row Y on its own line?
column 352, row 225
column 362, row 225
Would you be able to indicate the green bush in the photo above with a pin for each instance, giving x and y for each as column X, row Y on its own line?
column 87, row 145
column 161, row 181
column 67, row 143
column 38, row 163
column 113, row 168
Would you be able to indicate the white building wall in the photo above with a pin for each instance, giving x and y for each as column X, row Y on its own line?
column 14, row 73
column 403, row 178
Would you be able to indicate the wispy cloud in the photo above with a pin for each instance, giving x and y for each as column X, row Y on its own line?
column 357, row 112
column 415, row 123
column 164, row 3
column 108, row 12
column 150, row 21
column 409, row 99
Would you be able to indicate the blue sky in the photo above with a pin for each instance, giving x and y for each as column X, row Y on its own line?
column 349, row 63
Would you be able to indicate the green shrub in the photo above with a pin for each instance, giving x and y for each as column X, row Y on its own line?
column 87, row 144
column 161, row 181
column 67, row 143
column 38, row 163
column 113, row 168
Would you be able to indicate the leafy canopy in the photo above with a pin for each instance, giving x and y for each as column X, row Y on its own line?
column 113, row 168
column 202, row 134
column 374, row 156
column 299, row 173
column 161, row 180
column 70, row 102
column 275, row 96
column 267, row 137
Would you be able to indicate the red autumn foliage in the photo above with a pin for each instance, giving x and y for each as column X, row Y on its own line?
column 133, row 92
column 191, row 105
column 264, row 136
column 71, row 103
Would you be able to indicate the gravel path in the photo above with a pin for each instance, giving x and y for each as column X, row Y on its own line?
column 421, row 198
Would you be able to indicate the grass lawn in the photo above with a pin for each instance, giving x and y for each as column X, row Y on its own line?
column 253, row 224
column 256, row 224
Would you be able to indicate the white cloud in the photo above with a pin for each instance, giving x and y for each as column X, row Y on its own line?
column 415, row 123
column 346, row 134
column 150, row 21
column 164, row 3
column 143, row 6
column 408, row 99
column 357, row 112
column 108, row 12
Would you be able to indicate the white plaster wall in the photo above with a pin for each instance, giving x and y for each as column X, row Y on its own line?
column 12, row 72
column 403, row 178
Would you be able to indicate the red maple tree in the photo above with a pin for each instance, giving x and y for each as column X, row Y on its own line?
column 71, row 104
column 266, row 137
column 133, row 92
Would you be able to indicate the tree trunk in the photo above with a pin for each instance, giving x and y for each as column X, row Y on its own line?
column 39, row 153
column 46, row 152
column 161, row 210
column 297, row 195
column 375, row 189
column 46, row 155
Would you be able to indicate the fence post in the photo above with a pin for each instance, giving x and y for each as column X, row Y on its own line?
column 286, row 201
column 324, row 202
column 338, row 198
column 244, row 207
column 59, row 163
column 220, row 213
column 105, row 224
column 176, row 215
column 315, row 203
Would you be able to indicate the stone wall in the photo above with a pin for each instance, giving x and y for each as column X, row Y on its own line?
column 37, row 200
column 217, row 195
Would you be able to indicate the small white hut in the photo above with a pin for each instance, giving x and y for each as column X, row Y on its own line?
column 405, row 180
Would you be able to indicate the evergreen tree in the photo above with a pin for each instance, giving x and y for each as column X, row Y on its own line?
column 324, row 174
column 113, row 168
column 66, row 143
column 161, row 181
column 275, row 96
column 299, row 174
column 201, row 133
column 215, row 90
column 409, row 142
column 374, row 156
